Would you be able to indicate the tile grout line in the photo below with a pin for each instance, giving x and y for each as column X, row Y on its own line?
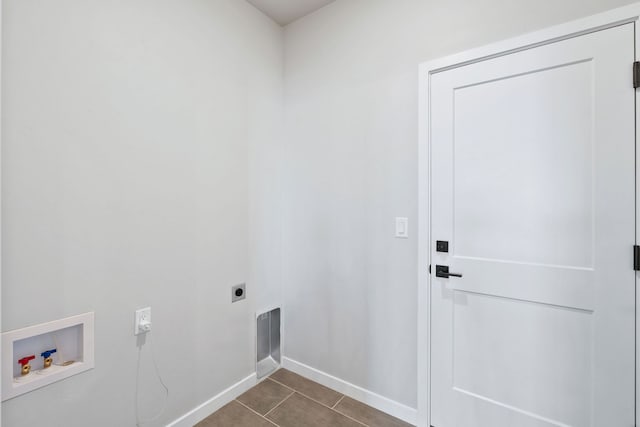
column 352, row 419
column 283, row 385
column 347, row 416
column 308, row 397
column 258, row 414
column 340, row 400
column 320, row 403
column 283, row 400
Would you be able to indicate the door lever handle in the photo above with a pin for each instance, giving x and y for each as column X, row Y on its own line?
column 443, row 271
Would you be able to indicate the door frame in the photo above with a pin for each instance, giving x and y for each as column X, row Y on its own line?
column 612, row 18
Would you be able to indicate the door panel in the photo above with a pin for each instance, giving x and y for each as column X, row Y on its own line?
column 533, row 186
column 488, row 344
column 520, row 177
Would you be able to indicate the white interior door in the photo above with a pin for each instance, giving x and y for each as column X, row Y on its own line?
column 533, row 187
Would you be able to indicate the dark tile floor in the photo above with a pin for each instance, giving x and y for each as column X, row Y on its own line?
column 286, row 399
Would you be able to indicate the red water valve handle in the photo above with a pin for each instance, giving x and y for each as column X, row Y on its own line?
column 26, row 360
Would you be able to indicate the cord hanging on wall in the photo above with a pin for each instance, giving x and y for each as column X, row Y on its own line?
column 140, row 422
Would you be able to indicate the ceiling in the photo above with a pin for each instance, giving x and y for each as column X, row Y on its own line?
column 286, row 11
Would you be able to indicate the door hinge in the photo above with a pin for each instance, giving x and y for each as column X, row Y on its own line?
column 429, row 268
column 636, row 74
column 636, row 258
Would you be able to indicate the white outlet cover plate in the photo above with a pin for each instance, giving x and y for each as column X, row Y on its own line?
column 141, row 314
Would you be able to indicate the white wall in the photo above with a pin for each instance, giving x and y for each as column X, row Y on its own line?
column 138, row 138
column 142, row 165
column 351, row 118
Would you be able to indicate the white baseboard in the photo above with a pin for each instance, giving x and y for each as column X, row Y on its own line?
column 381, row 403
column 216, row 402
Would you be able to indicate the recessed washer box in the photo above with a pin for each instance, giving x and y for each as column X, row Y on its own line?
column 268, row 342
column 71, row 337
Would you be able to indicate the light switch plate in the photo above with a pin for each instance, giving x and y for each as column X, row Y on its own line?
column 402, row 228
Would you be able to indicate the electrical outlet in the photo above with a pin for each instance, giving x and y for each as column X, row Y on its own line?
column 142, row 323
column 238, row 292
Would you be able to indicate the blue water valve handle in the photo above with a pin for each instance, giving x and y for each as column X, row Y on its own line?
column 48, row 353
